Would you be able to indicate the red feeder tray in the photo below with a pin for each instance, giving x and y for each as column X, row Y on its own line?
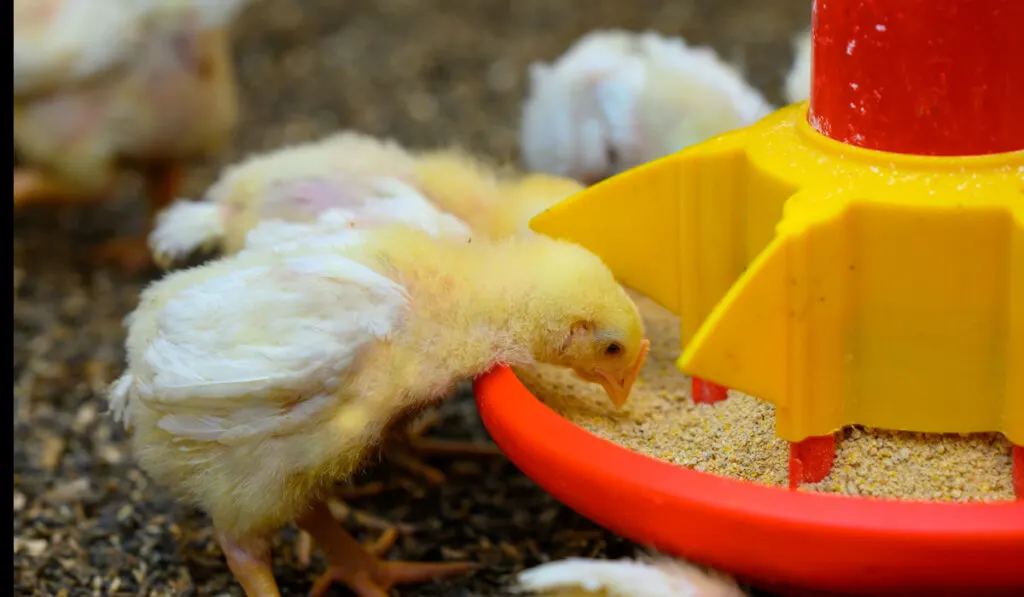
column 771, row 537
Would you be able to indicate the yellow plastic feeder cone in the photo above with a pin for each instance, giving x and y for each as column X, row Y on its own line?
column 835, row 274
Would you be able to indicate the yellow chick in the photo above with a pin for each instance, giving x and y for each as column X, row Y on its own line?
column 102, row 87
column 256, row 382
column 470, row 189
column 374, row 181
column 617, row 99
column 654, row 577
column 797, row 86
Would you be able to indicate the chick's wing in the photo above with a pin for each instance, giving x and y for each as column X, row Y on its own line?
column 264, row 348
column 334, row 229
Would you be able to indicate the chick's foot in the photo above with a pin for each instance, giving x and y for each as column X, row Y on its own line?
column 249, row 561
column 360, row 568
column 340, row 509
column 130, row 254
column 34, row 187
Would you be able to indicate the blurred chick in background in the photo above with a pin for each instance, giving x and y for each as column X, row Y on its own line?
column 617, row 99
column 255, row 382
column 101, row 87
column 374, row 181
column 653, row 577
column 798, row 80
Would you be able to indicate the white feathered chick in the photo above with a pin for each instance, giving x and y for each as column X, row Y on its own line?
column 374, row 181
column 798, row 81
column 617, row 99
column 257, row 381
column 655, row 577
column 106, row 86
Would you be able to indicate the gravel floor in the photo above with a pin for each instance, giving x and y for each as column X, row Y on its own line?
column 427, row 72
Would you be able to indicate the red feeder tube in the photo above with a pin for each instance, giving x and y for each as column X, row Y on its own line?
column 921, row 77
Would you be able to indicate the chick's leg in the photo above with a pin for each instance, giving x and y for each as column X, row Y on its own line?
column 131, row 253
column 360, row 569
column 406, row 451
column 341, row 510
column 249, row 561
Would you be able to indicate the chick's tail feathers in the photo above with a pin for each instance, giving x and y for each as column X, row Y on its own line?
column 183, row 228
column 119, row 397
column 661, row 577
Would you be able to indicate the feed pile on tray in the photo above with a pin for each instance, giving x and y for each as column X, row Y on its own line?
column 736, row 437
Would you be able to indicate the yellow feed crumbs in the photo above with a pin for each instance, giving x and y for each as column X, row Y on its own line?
column 736, row 437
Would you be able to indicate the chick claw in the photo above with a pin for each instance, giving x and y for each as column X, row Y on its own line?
column 385, row 574
column 359, row 567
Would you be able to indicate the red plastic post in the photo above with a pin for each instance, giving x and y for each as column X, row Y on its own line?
column 707, row 392
column 811, row 460
column 1018, row 472
column 923, row 77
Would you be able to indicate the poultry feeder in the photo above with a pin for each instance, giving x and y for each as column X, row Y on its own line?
column 854, row 259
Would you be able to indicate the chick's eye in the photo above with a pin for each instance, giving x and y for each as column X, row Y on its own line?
column 613, row 349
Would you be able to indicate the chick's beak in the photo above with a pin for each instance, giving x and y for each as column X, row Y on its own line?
column 619, row 386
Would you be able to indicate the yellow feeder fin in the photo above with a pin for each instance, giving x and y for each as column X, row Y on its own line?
column 680, row 229
column 727, row 215
column 1014, row 423
column 766, row 323
column 631, row 222
column 893, row 314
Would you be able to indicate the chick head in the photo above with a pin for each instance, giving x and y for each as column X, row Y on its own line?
column 594, row 327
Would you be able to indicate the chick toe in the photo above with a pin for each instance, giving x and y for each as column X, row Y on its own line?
column 417, row 442
column 433, row 446
column 351, row 492
column 359, row 567
column 413, row 463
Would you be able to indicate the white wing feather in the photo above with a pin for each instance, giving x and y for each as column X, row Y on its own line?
column 263, row 348
column 347, row 207
column 661, row 577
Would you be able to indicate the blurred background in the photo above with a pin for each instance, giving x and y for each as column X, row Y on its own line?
column 427, row 73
